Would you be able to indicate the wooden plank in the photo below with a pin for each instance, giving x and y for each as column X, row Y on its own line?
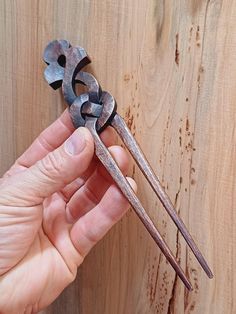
column 171, row 66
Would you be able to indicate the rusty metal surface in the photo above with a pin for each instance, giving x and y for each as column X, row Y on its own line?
column 96, row 109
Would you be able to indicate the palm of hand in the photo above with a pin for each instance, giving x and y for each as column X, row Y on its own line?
column 44, row 266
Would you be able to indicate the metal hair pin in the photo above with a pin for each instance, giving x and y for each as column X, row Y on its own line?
column 96, row 109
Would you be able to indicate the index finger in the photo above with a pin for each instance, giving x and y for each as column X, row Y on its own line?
column 51, row 138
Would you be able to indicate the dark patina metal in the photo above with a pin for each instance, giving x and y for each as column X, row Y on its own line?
column 96, row 109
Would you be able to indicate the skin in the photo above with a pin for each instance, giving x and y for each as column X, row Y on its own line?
column 56, row 203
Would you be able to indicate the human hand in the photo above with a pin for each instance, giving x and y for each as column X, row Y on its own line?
column 56, row 202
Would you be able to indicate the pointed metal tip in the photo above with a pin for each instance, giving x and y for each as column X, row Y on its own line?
column 210, row 274
column 203, row 263
column 190, row 288
column 185, row 280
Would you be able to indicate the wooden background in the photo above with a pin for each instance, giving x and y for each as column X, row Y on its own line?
column 171, row 65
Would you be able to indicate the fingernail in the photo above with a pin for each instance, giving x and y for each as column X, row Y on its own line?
column 76, row 142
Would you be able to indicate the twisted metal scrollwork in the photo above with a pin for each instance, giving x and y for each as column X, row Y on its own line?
column 64, row 70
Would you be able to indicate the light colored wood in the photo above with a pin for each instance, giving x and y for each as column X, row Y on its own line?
column 172, row 67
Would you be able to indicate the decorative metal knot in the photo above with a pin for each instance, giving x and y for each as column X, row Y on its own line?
column 64, row 70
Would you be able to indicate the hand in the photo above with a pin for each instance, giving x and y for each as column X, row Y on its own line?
column 56, row 202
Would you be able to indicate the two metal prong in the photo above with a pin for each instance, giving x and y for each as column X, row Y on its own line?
column 105, row 157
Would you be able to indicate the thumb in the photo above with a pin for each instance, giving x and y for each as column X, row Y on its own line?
column 52, row 173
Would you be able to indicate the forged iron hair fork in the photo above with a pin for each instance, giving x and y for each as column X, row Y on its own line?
column 96, row 109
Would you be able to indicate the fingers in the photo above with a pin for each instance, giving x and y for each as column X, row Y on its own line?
column 91, row 227
column 109, row 138
column 51, row 138
column 90, row 194
column 52, row 173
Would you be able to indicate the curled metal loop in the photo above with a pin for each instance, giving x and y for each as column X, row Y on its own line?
column 64, row 70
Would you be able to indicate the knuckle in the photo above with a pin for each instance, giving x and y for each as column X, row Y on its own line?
column 44, row 142
column 90, row 195
column 90, row 234
column 117, row 196
column 51, row 165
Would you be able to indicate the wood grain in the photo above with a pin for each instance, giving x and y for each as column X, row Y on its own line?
column 171, row 66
